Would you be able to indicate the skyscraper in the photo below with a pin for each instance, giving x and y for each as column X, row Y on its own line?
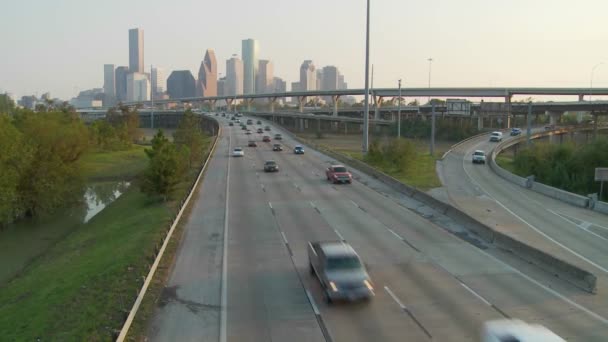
column 121, row 83
column 341, row 83
column 136, row 50
column 265, row 75
column 159, row 82
column 181, row 84
column 138, row 87
column 221, row 86
column 109, row 85
column 278, row 85
column 308, row 76
column 207, row 75
column 330, row 80
column 234, row 76
column 250, row 50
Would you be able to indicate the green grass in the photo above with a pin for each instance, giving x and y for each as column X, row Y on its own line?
column 120, row 165
column 506, row 162
column 81, row 288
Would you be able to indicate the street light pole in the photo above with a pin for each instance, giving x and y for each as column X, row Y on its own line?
column 430, row 64
column 591, row 79
column 366, row 111
column 399, row 113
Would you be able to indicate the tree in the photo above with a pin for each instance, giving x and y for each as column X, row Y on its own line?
column 190, row 135
column 7, row 106
column 126, row 122
column 166, row 168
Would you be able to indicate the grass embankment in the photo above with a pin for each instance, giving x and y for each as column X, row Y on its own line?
column 84, row 286
column 119, row 165
column 506, row 162
column 421, row 172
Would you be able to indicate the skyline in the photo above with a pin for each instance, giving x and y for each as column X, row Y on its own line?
column 473, row 43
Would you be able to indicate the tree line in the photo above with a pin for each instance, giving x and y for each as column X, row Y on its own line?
column 40, row 155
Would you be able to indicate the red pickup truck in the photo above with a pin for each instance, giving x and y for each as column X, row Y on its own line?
column 338, row 174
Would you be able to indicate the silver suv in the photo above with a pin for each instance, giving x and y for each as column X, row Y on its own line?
column 479, row 157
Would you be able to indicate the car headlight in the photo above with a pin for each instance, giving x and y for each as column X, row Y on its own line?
column 333, row 286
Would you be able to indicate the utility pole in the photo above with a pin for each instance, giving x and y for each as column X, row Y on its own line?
column 399, row 113
column 366, row 111
column 432, row 129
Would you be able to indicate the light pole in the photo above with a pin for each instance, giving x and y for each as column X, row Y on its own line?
column 366, row 111
column 399, row 113
column 430, row 64
column 591, row 79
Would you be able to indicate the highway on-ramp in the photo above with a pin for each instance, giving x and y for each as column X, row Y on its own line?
column 241, row 272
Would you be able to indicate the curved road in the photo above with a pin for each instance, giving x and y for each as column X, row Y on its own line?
column 244, row 250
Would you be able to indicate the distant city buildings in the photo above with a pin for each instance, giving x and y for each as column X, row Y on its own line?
column 249, row 52
column 138, row 87
column 109, row 85
column 265, row 77
column 278, row 85
column 159, row 82
column 221, row 87
column 121, row 83
column 91, row 98
column 308, row 76
column 136, row 50
column 234, row 76
column 207, row 75
column 181, row 84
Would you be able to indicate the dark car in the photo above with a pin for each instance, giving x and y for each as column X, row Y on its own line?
column 267, row 128
column 266, row 138
column 271, row 166
column 515, row 131
column 250, row 122
column 252, row 144
column 259, row 122
column 230, row 124
column 278, row 137
column 298, row 150
column 260, row 130
column 277, row 147
column 223, row 115
column 243, row 127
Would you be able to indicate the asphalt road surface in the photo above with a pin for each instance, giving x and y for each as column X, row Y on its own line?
column 429, row 284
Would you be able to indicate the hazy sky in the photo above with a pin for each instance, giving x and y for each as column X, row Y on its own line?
column 61, row 45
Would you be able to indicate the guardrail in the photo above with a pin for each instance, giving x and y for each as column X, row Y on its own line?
column 530, row 183
column 161, row 251
column 575, row 275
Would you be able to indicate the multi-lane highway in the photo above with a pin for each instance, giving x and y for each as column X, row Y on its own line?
column 241, row 272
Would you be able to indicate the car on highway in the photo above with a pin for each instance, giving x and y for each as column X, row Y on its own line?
column 271, row 166
column 515, row 131
column 217, row 114
column 266, row 138
column 252, row 143
column 340, row 271
column 230, row 123
column 243, row 127
column 237, row 120
column 248, row 132
column 479, row 157
column 549, row 127
column 223, row 115
column 259, row 122
column 338, row 174
column 277, row 147
column 298, row 150
column 260, row 130
column 496, row 136
column 267, row 128
column 249, row 122
column 278, row 136
column 238, row 152
column 514, row 330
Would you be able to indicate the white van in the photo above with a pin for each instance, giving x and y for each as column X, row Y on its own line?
column 516, row 330
column 496, row 136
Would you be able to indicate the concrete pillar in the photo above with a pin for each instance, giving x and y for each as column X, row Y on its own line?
column 508, row 102
column 345, row 128
column 305, row 123
column 581, row 97
column 378, row 103
column 229, row 104
column 301, row 103
column 212, row 105
column 595, row 117
column 273, row 101
column 335, row 99
column 248, row 102
column 301, row 124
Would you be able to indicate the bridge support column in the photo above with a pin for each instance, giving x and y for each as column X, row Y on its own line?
column 479, row 122
column 248, row 103
column 378, row 103
column 595, row 117
column 273, row 101
column 301, row 103
column 212, row 105
column 508, row 102
column 301, row 124
column 553, row 119
column 581, row 97
column 335, row 99
column 229, row 104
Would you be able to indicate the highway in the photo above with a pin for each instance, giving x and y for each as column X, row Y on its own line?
column 241, row 271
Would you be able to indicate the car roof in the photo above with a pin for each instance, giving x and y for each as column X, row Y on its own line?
column 338, row 165
column 479, row 151
column 338, row 248
column 270, row 161
column 238, row 148
column 496, row 132
column 298, row 146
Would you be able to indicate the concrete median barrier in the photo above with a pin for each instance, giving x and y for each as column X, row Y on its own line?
column 562, row 195
column 574, row 275
column 601, row 207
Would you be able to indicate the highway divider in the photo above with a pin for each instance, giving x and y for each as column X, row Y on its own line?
column 159, row 256
column 575, row 275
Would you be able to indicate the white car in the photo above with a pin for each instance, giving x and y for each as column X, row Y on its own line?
column 516, row 330
column 496, row 136
column 238, row 152
column 479, row 157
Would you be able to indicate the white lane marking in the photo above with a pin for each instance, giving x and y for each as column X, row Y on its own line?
column 355, row 203
column 312, row 302
column 312, row 204
column 584, row 226
column 476, row 294
column 393, row 232
column 224, row 291
column 339, row 235
column 284, row 238
column 531, row 225
column 403, row 307
column 270, row 205
column 262, row 186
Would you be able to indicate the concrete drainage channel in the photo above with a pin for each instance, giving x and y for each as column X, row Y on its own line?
column 467, row 227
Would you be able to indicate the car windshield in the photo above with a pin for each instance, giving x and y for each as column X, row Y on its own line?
column 343, row 263
column 270, row 163
column 478, row 153
column 340, row 169
column 238, row 149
